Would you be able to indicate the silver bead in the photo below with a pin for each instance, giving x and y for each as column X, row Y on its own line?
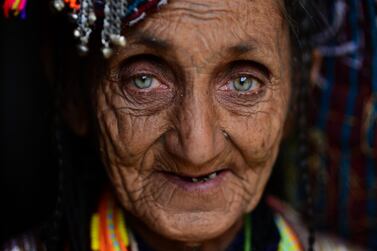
column 73, row 17
column 106, row 24
column 76, row 33
column 118, row 40
column 107, row 52
column 83, row 49
column 84, row 39
column 122, row 41
column 92, row 18
column 106, row 10
column 58, row 5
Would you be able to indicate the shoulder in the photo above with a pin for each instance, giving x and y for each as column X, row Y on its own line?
column 327, row 242
column 25, row 242
column 289, row 218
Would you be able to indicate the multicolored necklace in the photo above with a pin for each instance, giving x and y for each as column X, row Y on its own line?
column 109, row 231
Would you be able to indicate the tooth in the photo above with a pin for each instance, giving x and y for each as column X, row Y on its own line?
column 195, row 180
column 212, row 175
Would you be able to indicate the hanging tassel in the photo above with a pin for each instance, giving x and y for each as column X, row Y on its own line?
column 15, row 7
column 85, row 20
column 111, row 12
column 114, row 11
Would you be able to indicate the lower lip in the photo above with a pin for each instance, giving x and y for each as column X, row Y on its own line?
column 198, row 186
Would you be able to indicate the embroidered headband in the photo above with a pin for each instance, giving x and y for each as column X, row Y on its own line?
column 113, row 13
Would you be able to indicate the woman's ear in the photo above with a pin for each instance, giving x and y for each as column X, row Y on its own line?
column 68, row 78
column 76, row 117
column 316, row 66
column 75, row 101
column 65, row 69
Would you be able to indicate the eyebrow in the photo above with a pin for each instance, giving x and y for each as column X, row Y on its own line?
column 163, row 45
column 242, row 47
column 152, row 42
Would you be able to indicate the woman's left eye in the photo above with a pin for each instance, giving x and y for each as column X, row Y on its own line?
column 243, row 84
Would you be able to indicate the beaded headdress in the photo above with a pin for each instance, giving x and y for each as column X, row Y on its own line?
column 114, row 15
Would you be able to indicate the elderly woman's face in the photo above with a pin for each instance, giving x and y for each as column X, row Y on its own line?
column 192, row 115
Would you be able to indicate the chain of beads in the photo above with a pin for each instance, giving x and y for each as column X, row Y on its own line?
column 113, row 11
column 85, row 19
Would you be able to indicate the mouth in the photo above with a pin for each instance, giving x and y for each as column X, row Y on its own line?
column 199, row 179
column 194, row 182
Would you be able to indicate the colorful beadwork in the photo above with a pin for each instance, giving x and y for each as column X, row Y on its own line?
column 248, row 233
column 15, row 7
column 108, row 230
column 288, row 239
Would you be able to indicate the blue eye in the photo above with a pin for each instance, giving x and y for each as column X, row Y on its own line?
column 143, row 82
column 244, row 83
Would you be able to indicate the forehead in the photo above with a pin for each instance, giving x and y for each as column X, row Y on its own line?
column 213, row 26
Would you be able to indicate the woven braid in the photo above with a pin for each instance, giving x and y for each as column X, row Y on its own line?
column 302, row 21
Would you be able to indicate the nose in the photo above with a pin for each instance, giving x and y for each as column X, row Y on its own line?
column 197, row 137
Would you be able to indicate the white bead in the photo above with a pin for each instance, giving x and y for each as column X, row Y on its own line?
column 118, row 40
column 122, row 41
column 84, row 39
column 92, row 18
column 76, row 33
column 83, row 49
column 73, row 16
column 107, row 52
column 58, row 5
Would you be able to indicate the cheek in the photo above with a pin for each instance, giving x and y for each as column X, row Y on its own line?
column 125, row 135
column 125, row 142
column 257, row 138
column 258, row 135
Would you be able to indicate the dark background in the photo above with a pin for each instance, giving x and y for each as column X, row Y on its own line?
column 27, row 168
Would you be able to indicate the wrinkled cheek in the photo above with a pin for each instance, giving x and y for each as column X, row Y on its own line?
column 256, row 136
column 121, row 165
column 124, row 146
column 125, row 136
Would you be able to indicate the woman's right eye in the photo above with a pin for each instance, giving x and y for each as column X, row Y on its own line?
column 145, row 83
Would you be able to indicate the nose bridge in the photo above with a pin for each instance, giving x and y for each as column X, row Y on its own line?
column 197, row 129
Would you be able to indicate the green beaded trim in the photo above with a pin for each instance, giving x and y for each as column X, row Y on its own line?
column 248, row 233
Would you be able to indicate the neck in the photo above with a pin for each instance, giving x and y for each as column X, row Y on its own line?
column 158, row 242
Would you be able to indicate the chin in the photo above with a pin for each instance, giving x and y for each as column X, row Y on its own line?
column 191, row 212
column 193, row 227
column 175, row 207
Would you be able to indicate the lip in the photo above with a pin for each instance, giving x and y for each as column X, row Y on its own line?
column 186, row 185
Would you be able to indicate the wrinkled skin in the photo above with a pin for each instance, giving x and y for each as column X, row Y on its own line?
column 192, row 120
